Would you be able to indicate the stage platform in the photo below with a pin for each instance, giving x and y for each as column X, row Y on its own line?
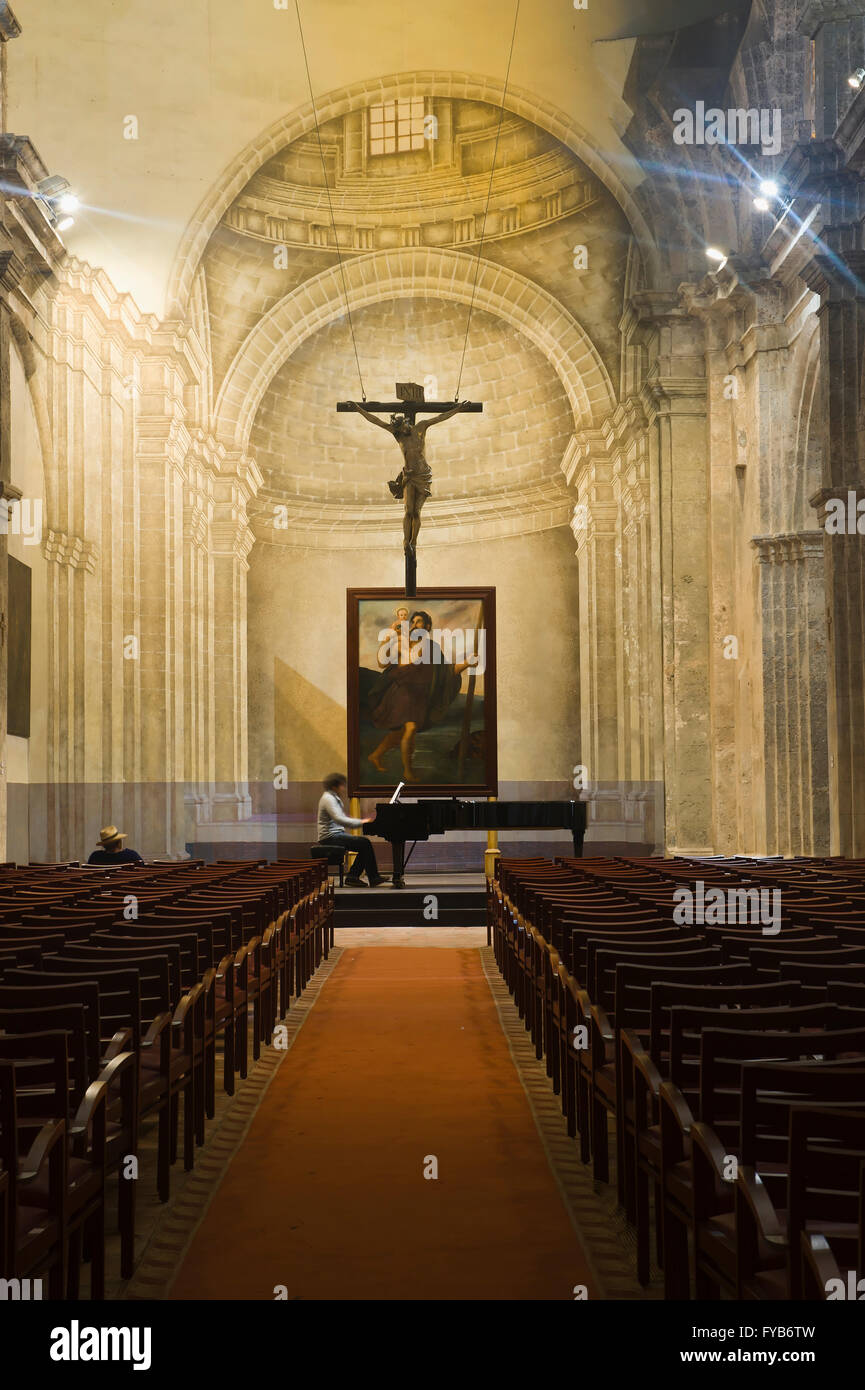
column 428, row 900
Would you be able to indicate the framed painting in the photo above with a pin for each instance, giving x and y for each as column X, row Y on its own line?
column 422, row 692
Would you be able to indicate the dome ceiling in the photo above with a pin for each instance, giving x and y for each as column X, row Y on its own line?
column 278, row 235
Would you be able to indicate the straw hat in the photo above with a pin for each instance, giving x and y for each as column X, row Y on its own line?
column 110, row 833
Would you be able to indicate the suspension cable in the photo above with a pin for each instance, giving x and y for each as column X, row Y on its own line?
column 489, row 195
column 329, row 201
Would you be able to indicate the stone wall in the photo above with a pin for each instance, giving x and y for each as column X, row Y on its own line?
column 647, row 487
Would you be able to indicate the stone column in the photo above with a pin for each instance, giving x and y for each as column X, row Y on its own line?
column 200, row 695
column 842, row 361
column 595, row 528
column 674, row 395
column 792, row 611
column 159, row 670
column 69, row 817
column 232, row 538
column 845, row 627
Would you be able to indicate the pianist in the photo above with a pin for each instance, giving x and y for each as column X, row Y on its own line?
column 333, row 824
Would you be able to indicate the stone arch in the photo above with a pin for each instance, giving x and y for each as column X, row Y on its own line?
column 398, row 274
column 299, row 122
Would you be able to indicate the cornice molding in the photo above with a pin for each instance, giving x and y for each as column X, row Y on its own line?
column 283, row 216
column 278, row 520
column 674, row 395
column 789, row 547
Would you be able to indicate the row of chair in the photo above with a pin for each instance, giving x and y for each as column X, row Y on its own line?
column 116, row 989
column 714, row 1051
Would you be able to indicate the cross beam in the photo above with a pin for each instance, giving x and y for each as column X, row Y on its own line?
column 411, row 408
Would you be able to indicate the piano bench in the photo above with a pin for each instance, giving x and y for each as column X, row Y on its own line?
column 335, row 857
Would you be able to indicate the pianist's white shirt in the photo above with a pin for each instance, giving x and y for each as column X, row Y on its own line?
column 332, row 819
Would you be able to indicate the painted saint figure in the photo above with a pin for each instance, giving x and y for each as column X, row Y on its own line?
column 408, row 698
column 413, row 482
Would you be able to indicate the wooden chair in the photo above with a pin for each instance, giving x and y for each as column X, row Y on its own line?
column 768, row 1089
column 820, row 1271
column 42, row 1083
column 674, row 1055
column 37, row 1238
column 824, row 1187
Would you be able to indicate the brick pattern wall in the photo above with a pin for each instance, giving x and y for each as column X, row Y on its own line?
column 305, row 448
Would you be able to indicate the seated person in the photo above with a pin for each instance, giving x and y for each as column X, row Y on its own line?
column 333, row 824
column 111, row 849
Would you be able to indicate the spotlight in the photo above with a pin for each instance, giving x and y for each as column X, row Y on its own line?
column 53, row 186
column 857, row 78
column 65, row 223
column 715, row 255
column 69, row 203
column 761, row 204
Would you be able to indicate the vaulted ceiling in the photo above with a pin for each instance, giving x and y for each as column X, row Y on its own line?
column 204, row 79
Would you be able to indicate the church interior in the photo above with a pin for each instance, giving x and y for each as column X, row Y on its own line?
column 547, row 731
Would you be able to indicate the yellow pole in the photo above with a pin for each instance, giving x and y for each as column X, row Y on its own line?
column 492, row 851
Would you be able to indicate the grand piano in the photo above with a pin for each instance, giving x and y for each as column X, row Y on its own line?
column 400, row 822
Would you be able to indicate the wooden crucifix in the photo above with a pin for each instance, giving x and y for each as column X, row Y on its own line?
column 412, row 485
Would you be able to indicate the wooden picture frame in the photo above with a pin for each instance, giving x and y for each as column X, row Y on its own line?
column 395, row 672
column 18, row 649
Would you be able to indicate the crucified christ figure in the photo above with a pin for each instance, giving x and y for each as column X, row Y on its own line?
column 413, row 482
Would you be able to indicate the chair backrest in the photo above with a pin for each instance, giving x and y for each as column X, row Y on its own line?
column 187, row 944
column 633, row 987
column 573, row 946
column 818, row 975
column 688, row 1024
column 119, row 992
column 740, row 945
column 214, row 928
column 76, row 1021
column 22, row 935
column 849, row 994
column 667, row 994
column 9, row 1131
column 816, row 952
column 826, row 1182
column 11, row 955
column 42, row 1077
column 601, row 963
column 724, row 1050
column 769, row 1090
column 152, row 973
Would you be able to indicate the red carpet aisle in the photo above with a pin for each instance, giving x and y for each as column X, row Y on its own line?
column 402, row 1057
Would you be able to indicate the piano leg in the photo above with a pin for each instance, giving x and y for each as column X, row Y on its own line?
column 579, row 836
column 398, row 847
